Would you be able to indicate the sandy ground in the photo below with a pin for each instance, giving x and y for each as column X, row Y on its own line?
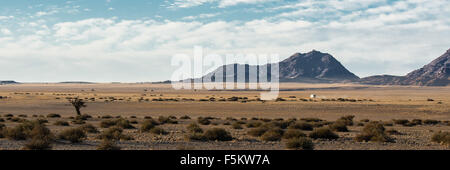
column 372, row 102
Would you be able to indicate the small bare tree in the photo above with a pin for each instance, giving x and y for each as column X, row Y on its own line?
column 77, row 104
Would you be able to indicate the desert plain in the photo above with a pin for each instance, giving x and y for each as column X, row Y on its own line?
column 225, row 109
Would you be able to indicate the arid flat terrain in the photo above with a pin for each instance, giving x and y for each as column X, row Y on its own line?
column 174, row 110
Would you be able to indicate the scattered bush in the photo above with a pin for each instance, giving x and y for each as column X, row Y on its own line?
column 21, row 131
column 300, row 143
column 217, row 134
column 302, row 126
column 147, row 125
column 236, row 125
column 323, row 133
column 88, row 128
column 53, row 115
column 441, row 137
column 311, row 119
column 106, row 117
column 339, row 126
column 74, row 135
column 41, row 138
column 114, row 133
column 256, row 132
column 122, row 123
column 254, row 124
column 83, row 117
column 281, row 124
column 417, row 121
column 195, row 137
column 400, row 121
column 194, row 128
column 185, row 117
column 158, row 131
column 272, row 135
column 108, row 145
column 38, row 144
column 164, row 120
column 346, row 120
column 373, row 132
column 293, row 133
column 430, row 122
column 61, row 123
column 393, row 132
column 203, row 121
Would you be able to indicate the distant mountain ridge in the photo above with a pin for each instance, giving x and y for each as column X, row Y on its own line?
column 7, row 82
column 311, row 67
column 435, row 73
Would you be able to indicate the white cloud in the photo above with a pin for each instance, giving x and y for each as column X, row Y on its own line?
column 386, row 39
column 201, row 16
column 221, row 3
column 226, row 3
column 5, row 31
column 6, row 17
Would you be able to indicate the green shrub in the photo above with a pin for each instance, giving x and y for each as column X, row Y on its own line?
column 61, row 123
column 302, row 126
column 323, row 133
column 293, row 133
column 339, row 126
column 89, row 128
column 441, row 137
column 108, row 145
column 375, row 132
column 217, row 134
column 272, row 135
column 300, row 143
column 74, row 135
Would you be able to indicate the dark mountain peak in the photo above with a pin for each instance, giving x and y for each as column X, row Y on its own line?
column 311, row 67
column 314, row 65
column 436, row 73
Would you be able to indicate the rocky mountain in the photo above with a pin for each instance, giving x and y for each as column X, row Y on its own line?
column 312, row 67
column 435, row 73
column 7, row 82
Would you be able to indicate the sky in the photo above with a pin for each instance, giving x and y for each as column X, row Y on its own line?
column 135, row 40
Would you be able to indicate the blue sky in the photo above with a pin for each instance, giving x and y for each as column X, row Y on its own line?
column 134, row 40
